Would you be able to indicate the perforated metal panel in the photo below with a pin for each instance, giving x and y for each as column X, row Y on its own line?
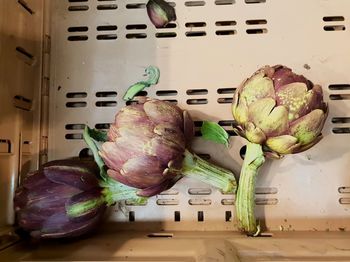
column 99, row 48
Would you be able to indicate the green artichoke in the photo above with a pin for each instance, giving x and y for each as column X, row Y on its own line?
column 278, row 112
column 147, row 149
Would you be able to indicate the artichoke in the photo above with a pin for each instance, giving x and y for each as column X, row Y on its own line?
column 147, row 149
column 62, row 199
column 279, row 113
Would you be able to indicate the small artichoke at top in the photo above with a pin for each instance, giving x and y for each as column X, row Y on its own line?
column 160, row 12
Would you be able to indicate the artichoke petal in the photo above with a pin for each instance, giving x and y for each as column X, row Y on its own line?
column 308, row 127
column 284, row 76
column 162, row 111
column 164, row 150
column 170, row 132
column 188, row 127
column 284, row 144
column 240, row 112
column 131, row 115
column 273, row 121
column 254, row 134
column 307, row 146
column 257, row 87
column 297, row 98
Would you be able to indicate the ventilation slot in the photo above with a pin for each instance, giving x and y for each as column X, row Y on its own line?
column 170, row 25
column 199, row 202
column 198, row 123
column 76, row 95
column 166, row 35
column 225, row 100
column 334, row 28
column 25, row 6
column 161, row 235
column 254, row 1
column 226, row 122
column 76, row 104
column 195, row 24
column 25, row 55
column 22, row 102
column 333, row 18
column 132, row 202
column 131, row 216
column 106, row 94
column 141, row 93
column 341, row 130
column 102, row 126
column 204, row 156
column 225, row 32
column 226, row 90
column 196, row 34
column 107, row 7
column 172, row 101
column 170, row 192
column 339, row 97
column 266, row 190
column 106, row 37
column 199, row 191
column 224, row 2
column 77, row 1
column 201, row 101
column 78, row 38
column 194, row 3
column 167, row 202
column 225, row 23
column 194, row 92
column 266, row 201
column 74, row 8
column 106, row 28
column 85, row 153
column 256, row 31
column 135, row 6
column 166, row 93
column 106, row 103
column 75, row 126
column 341, row 120
column 136, row 26
column 256, row 22
column 200, row 216
column 227, row 202
column 228, row 216
column 74, row 136
column 5, row 146
column 177, row 216
column 344, row 190
column 339, row 87
column 344, row 200
column 78, row 29
column 136, row 36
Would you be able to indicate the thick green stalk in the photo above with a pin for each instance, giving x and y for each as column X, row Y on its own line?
column 197, row 168
column 245, row 198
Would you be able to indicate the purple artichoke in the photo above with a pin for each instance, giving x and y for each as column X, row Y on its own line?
column 278, row 112
column 147, row 149
column 62, row 199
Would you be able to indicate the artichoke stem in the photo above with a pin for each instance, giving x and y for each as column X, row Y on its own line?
column 114, row 192
column 197, row 168
column 245, row 198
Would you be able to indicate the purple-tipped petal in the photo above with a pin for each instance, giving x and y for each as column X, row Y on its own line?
column 162, row 111
column 284, row 76
column 131, row 115
column 171, row 133
column 164, row 150
column 157, row 189
column 119, row 177
column 308, row 127
column 160, row 12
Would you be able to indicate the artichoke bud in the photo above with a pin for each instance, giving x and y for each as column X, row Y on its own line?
column 160, row 12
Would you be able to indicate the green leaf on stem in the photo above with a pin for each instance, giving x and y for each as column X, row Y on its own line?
column 214, row 132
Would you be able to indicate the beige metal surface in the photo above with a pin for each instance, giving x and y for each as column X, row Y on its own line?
column 187, row 246
column 99, row 48
column 20, row 80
